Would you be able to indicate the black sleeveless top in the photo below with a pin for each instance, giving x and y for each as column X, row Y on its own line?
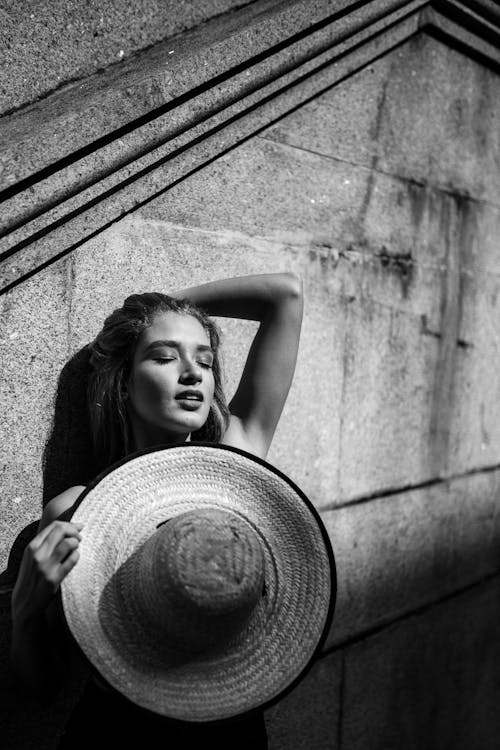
column 104, row 718
column 103, row 715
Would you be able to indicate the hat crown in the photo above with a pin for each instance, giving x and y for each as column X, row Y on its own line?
column 201, row 575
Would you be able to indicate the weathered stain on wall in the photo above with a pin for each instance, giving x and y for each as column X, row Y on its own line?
column 458, row 228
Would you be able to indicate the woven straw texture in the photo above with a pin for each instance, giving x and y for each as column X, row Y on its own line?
column 124, row 509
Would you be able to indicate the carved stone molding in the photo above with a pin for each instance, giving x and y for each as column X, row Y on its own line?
column 78, row 161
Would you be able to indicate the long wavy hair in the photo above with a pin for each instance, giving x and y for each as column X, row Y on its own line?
column 111, row 356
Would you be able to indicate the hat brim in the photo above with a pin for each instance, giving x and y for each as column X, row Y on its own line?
column 124, row 506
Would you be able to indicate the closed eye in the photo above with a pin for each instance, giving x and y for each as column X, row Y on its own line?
column 206, row 365
column 164, row 360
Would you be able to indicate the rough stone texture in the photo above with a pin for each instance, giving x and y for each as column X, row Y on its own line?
column 385, row 428
column 72, row 40
column 33, row 347
column 93, row 113
column 381, row 118
column 427, row 682
column 189, row 78
column 473, row 424
column 308, row 717
column 398, row 553
column 333, row 206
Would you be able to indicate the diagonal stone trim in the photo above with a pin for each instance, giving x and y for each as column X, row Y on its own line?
column 85, row 157
column 473, row 27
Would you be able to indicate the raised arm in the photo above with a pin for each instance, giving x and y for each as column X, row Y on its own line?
column 275, row 300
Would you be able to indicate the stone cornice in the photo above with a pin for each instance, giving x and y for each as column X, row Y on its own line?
column 473, row 26
column 82, row 158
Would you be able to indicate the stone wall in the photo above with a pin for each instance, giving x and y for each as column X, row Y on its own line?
column 52, row 43
column 359, row 148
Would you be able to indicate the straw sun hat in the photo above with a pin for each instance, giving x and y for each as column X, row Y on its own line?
column 206, row 581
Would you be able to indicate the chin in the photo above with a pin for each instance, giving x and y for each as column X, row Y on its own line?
column 190, row 423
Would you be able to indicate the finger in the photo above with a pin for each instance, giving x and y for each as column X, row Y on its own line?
column 39, row 539
column 42, row 535
column 59, row 572
column 60, row 530
column 64, row 548
column 69, row 563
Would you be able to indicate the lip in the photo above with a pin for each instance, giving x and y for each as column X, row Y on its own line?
column 190, row 399
column 190, row 394
column 184, row 403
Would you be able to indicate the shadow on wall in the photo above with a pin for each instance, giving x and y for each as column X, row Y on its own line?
column 67, row 457
column 67, row 461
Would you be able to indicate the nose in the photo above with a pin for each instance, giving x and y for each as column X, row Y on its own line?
column 191, row 373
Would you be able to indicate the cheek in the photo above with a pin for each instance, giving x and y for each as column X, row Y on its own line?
column 149, row 387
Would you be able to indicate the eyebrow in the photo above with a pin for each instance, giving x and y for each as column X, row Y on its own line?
column 176, row 345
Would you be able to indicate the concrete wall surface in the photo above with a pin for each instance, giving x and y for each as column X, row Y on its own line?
column 71, row 40
column 374, row 173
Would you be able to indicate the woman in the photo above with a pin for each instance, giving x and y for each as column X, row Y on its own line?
column 156, row 380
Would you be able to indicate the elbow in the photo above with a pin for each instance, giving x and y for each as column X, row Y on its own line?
column 292, row 286
column 286, row 298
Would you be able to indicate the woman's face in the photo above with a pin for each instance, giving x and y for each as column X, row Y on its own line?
column 171, row 384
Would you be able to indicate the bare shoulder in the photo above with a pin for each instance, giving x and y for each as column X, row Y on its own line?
column 59, row 504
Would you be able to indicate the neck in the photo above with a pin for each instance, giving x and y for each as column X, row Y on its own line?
column 148, row 436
